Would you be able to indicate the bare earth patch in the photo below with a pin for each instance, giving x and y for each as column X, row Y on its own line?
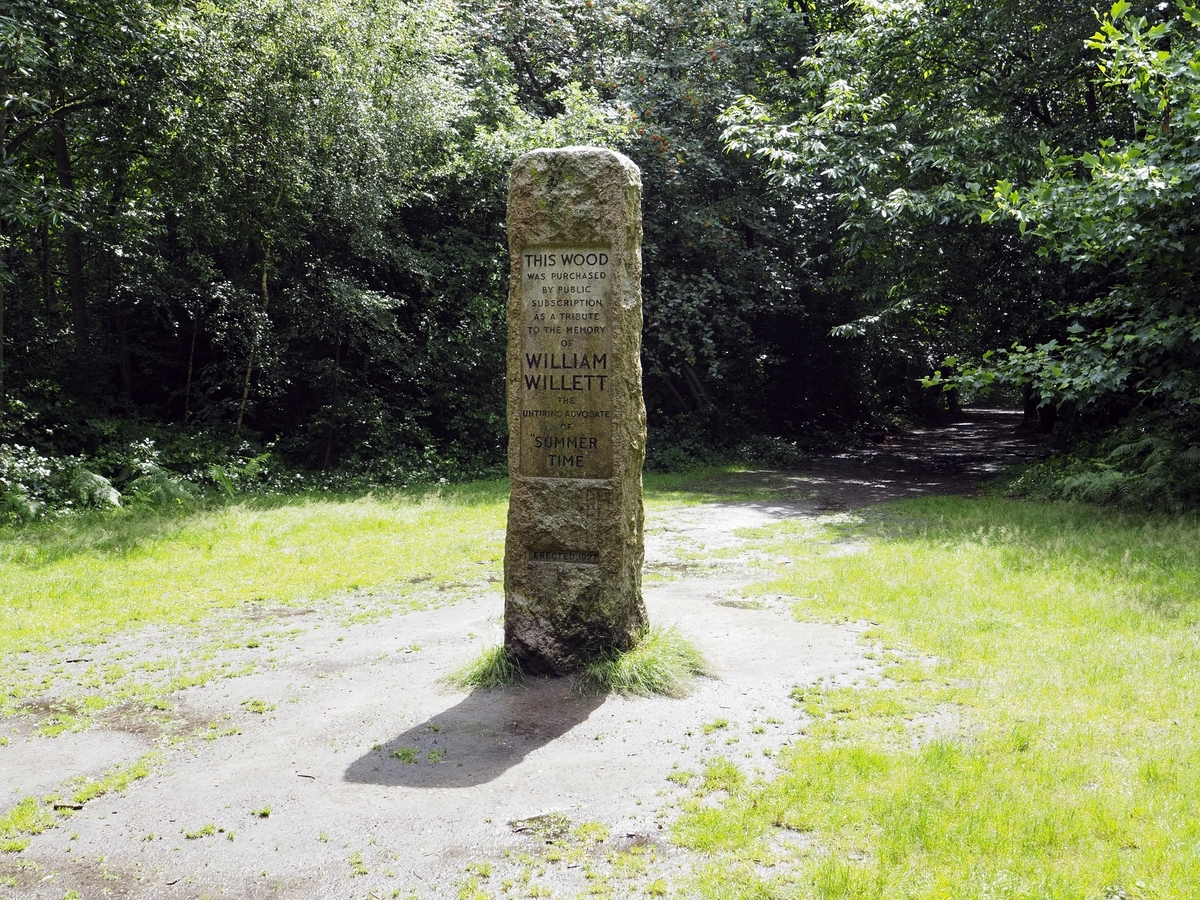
column 333, row 762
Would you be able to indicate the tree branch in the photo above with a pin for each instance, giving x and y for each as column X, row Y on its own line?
column 69, row 107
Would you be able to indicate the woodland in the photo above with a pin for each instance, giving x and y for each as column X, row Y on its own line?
column 253, row 277
column 259, row 245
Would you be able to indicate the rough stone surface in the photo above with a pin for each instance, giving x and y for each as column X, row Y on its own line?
column 576, row 420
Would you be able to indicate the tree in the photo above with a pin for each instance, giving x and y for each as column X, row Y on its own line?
column 906, row 113
column 193, row 167
column 61, row 64
column 1127, row 209
column 735, row 331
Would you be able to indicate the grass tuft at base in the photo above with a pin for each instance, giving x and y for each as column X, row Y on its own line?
column 494, row 667
column 662, row 661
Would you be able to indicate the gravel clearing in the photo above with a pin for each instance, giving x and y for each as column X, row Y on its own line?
column 341, row 766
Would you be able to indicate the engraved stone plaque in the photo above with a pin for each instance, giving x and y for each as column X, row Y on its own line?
column 566, row 346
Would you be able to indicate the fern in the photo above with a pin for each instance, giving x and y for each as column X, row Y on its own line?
column 1136, row 448
column 15, row 503
column 222, row 480
column 157, row 486
column 94, row 490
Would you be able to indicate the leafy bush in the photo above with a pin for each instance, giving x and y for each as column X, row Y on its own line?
column 32, row 484
column 94, row 490
column 1151, row 461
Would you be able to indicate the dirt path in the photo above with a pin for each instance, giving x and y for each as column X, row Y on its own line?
column 344, row 768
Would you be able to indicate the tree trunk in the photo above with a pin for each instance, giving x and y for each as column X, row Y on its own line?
column 3, row 234
column 49, row 289
column 1, row 342
column 125, row 360
column 337, row 380
column 1029, row 405
column 72, row 240
column 683, row 404
column 696, row 386
column 253, row 347
column 187, row 388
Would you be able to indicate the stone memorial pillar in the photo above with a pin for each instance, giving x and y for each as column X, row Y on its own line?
column 576, row 420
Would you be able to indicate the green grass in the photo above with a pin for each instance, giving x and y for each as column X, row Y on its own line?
column 662, row 661
column 89, row 576
column 1036, row 732
column 493, row 667
column 33, row 815
column 27, row 818
column 85, row 577
column 115, row 780
column 710, row 484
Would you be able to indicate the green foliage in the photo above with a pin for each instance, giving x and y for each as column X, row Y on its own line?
column 237, row 229
column 894, row 123
column 1128, row 207
column 284, row 221
column 1150, row 461
column 1034, row 734
column 162, row 471
column 494, row 667
column 94, row 490
column 661, row 661
column 32, row 485
column 1028, row 223
column 243, row 258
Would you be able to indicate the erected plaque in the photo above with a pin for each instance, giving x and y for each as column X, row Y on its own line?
column 577, row 424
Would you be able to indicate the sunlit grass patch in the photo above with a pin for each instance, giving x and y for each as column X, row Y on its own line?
column 1037, row 732
column 493, row 667
column 32, row 816
column 28, row 817
column 114, row 781
column 661, row 661
column 88, row 576
column 708, row 484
